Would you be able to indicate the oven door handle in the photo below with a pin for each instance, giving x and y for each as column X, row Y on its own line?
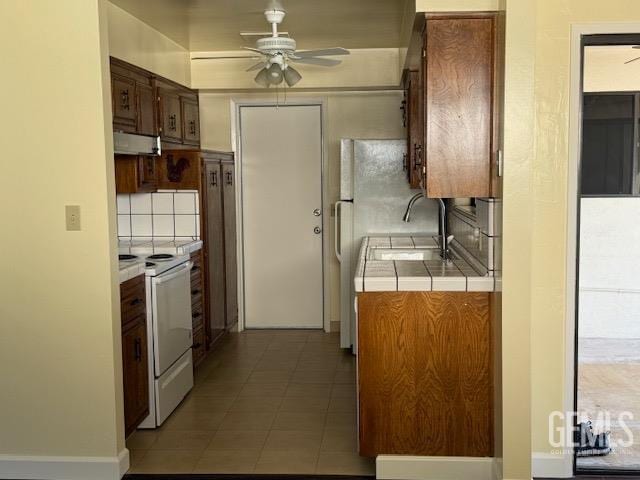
column 180, row 271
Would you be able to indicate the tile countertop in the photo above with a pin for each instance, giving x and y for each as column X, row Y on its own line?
column 129, row 270
column 411, row 275
column 149, row 246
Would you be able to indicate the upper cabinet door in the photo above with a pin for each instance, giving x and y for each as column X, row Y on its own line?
column 171, row 116
column 459, row 87
column 415, row 130
column 191, row 116
column 147, row 118
column 123, row 98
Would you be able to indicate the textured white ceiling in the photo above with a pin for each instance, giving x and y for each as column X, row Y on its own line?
column 212, row 25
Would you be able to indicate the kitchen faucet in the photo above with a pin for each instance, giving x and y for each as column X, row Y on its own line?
column 444, row 249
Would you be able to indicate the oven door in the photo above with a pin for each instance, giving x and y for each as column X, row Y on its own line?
column 172, row 327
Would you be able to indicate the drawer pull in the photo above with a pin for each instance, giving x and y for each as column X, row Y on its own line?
column 195, row 292
column 197, row 345
column 196, row 315
column 135, row 302
column 138, row 349
column 195, row 268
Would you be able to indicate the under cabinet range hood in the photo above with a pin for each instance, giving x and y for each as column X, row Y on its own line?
column 131, row 144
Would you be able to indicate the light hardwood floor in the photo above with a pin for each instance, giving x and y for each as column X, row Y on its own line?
column 264, row 402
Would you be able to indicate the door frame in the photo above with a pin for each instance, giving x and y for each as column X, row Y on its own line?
column 567, row 468
column 236, row 135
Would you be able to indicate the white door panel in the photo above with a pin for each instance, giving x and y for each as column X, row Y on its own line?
column 281, row 188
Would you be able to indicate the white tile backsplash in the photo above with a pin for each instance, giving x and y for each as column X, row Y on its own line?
column 141, row 204
column 168, row 214
column 163, row 226
column 141, row 226
column 162, row 203
column 184, row 203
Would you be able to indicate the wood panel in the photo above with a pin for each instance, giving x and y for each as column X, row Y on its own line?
column 459, row 81
column 147, row 115
column 136, row 174
column 198, row 307
column 191, row 116
column 123, row 103
column 230, row 260
column 215, row 248
column 424, row 374
column 135, row 375
column 170, row 115
column 179, row 169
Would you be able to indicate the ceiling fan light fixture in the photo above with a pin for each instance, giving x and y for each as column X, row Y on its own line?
column 274, row 73
column 291, row 76
column 262, row 78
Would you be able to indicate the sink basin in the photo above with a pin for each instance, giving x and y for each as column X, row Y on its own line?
column 408, row 254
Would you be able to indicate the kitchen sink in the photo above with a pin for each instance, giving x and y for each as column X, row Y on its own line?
column 407, row 254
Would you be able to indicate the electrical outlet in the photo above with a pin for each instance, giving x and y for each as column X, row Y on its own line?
column 72, row 215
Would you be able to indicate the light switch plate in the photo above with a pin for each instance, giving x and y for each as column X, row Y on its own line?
column 72, row 215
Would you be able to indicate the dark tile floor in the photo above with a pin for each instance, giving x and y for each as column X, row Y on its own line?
column 270, row 401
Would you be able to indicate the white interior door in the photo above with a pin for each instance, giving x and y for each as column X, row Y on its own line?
column 281, row 151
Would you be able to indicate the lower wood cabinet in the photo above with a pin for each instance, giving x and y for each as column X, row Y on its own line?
column 424, row 374
column 198, row 310
column 135, row 368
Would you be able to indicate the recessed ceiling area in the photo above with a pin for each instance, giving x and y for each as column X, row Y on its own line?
column 215, row 25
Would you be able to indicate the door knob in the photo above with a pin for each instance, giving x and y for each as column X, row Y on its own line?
column 317, row 230
column 317, row 212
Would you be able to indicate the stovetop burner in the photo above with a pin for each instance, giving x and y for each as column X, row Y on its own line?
column 124, row 257
column 159, row 257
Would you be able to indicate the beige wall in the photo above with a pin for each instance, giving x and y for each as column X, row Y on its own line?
column 348, row 115
column 59, row 363
column 362, row 69
column 136, row 42
column 548, row 196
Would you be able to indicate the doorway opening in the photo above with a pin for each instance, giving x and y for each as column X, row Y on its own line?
column 607, row 292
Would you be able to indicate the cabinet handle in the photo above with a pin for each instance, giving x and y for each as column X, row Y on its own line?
column 138, row 349
column 172, row 122
column 229, row 178
column 197, row 345
column 214, row 179
column 192, row 127
column 135, row 302
column 195, row 268
column 195, row 291
column 196, row 315
column 418, row 149
column 124, row 99
column 404, row 162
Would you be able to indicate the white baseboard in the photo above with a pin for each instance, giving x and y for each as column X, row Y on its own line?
column 497, row 468
column 547, row 465
column 64, row 468
column 406, row 467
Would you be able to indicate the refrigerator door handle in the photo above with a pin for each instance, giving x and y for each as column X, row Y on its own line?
column 336, row 224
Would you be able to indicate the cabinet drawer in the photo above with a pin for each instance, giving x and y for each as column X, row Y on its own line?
column 132, row 300
column 198, row 346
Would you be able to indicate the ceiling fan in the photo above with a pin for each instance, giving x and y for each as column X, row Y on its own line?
column 633, row 59
column 277, row 52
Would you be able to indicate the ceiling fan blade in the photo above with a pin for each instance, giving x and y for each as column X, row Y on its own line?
column 225, row 57
column 253, row 50
column 257, row 66
column 632, row 60
column 322, row 53
column 323, row 62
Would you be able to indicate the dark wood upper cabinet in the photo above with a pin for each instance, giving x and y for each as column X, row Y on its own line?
column 459, row 77
column 191, row 116
column 147, row 111
column 414, row 127
column 170, row 116
column 136, row 173
column 123, row 98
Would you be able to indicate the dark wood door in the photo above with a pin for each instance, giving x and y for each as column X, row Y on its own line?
column 147, row 118
column 135, row 379
column 415, row 131
column 215, row 247
column 424, row 374
column 231, row 263
column 459, row 86
column 123, row 100
column 148, row 176
column 191, row 116
column 171, row 115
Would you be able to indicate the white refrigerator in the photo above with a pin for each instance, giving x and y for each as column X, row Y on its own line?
column 374, row 193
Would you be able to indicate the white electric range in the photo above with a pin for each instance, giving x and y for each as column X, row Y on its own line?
column 169, row 334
